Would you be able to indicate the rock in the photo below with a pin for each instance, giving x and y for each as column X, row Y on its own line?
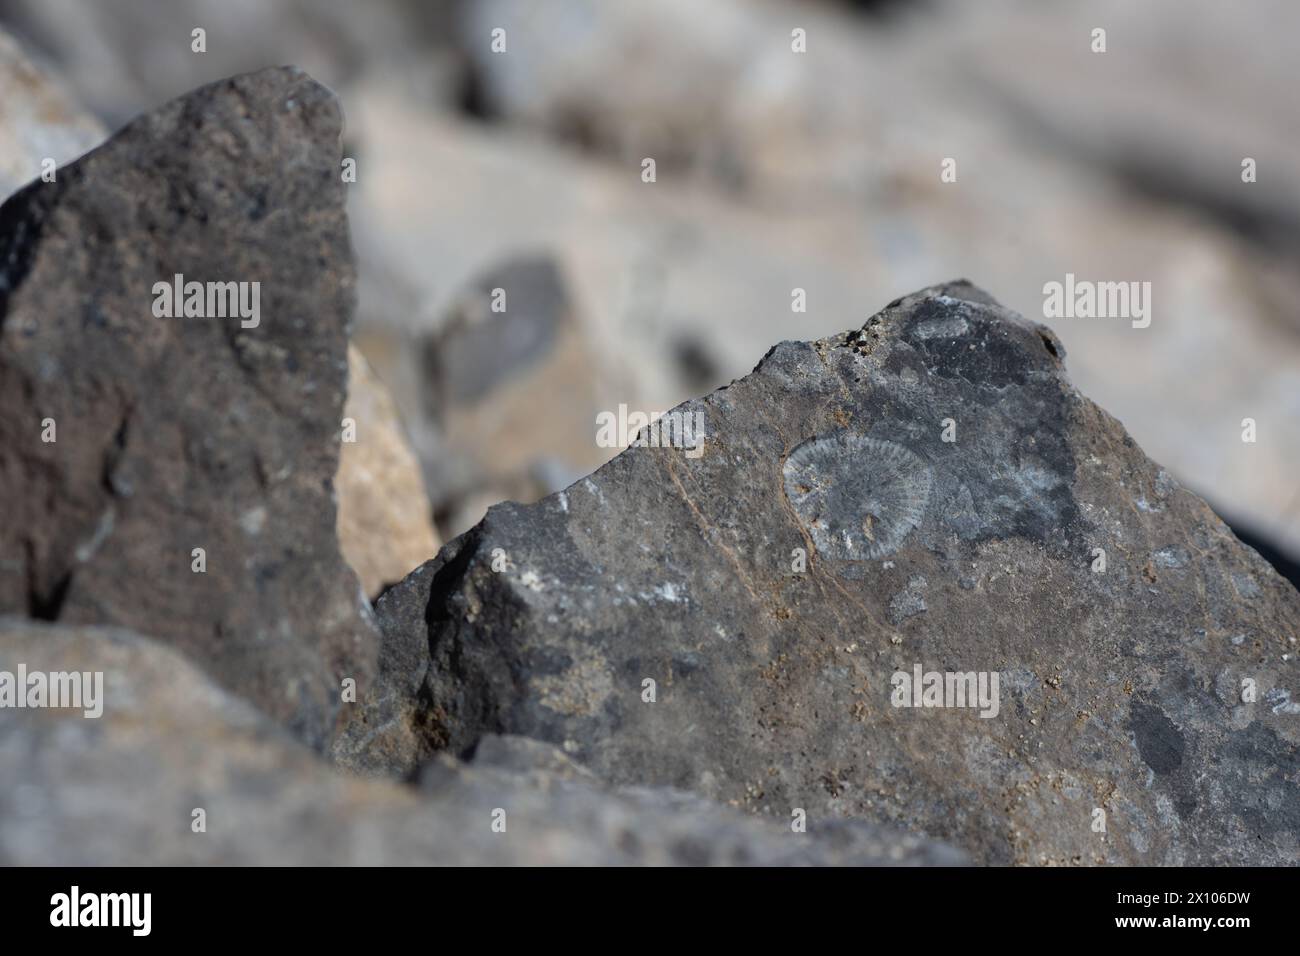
column 393, row 730
column 714, row 91
column 129, row 441
column 650, row 825
column 385, row 526
column 38, row 120
column 729, row 99
column 379, row 485
column 123, row 57
column 124, row 788
column 502, row 392
column 1100, row 107
column 510, row 379
column 502, row 328
column 828, row 539
column 651, row 263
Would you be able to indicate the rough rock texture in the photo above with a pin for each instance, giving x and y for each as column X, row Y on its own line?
column 174, row 434
column 122, row 789
column 38, row 120
column 385, row 527
column 1120, row 690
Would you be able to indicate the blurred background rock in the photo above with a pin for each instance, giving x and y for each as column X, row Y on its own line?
column 776, row 170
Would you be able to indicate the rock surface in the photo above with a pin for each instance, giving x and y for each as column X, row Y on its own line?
column 1123, row 691
column 385, row 525
column 129, row 440
column 122, row 789
column 380, row 489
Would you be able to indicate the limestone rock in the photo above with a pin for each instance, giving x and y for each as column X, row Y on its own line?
column 39, row 120
column 772, row 606
column 173, row 474
column 385, row 526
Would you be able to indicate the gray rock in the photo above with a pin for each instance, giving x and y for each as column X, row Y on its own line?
column 124, row 788
column 175, row 434
column 506, row 324
column 652, row 825
column 774, row 686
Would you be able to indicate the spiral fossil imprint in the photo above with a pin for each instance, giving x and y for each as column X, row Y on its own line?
column 857, row 497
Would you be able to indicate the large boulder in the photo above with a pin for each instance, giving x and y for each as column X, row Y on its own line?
column 173, row 474
column 930, row 492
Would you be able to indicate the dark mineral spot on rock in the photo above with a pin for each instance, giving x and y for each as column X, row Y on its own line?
column 857, row 497
column 1159, row 740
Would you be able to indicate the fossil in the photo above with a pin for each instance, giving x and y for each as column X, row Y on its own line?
column 857, row 497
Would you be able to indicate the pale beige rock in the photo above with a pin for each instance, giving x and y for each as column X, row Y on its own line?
column 384, row 525
column 38, row 120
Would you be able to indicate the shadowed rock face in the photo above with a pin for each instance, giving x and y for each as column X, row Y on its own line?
column 1120, row 690
column 174, row 434
column 122, row 789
